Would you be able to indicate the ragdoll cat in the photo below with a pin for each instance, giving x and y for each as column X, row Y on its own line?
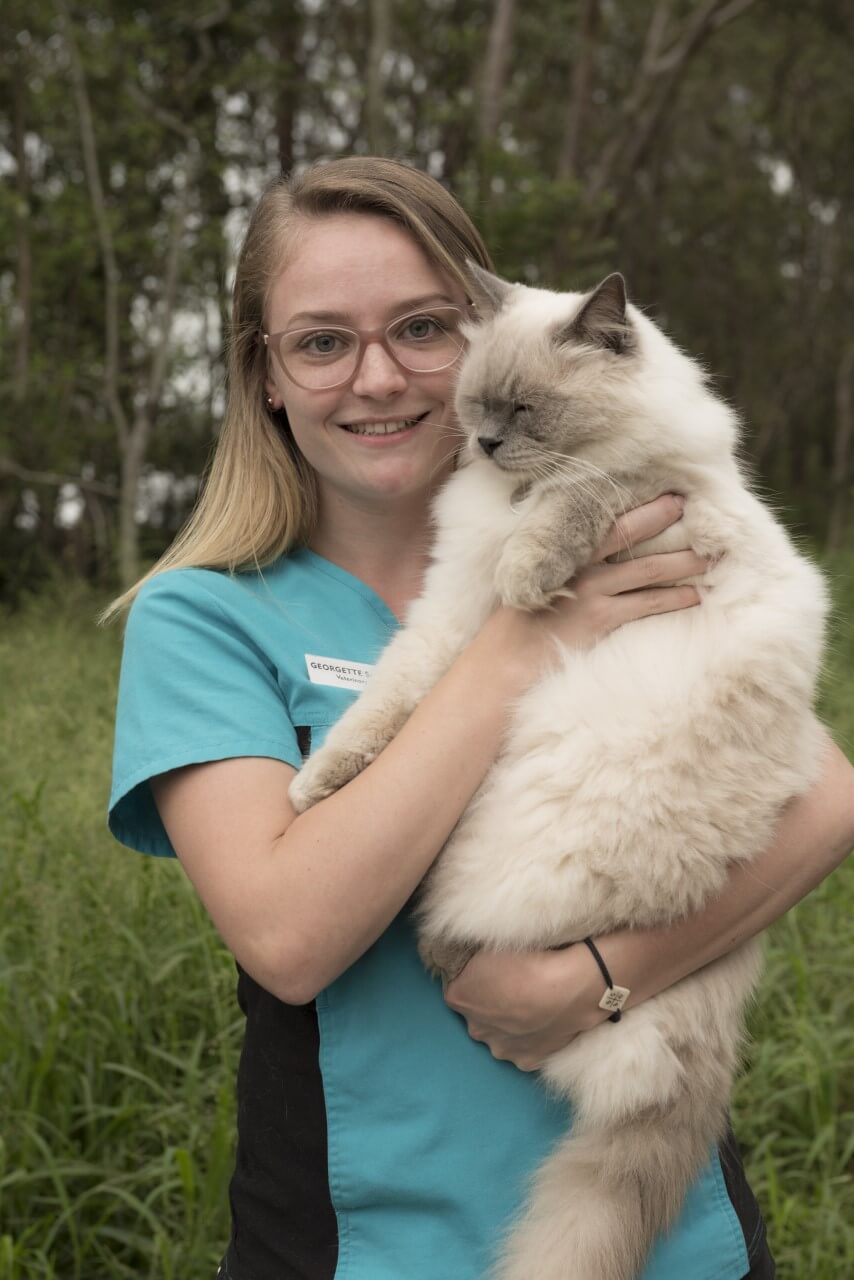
column 634, row 774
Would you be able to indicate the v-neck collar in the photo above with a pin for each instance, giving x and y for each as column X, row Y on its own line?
column 350, row 580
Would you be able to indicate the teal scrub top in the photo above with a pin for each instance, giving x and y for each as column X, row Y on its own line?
column 431, row 1141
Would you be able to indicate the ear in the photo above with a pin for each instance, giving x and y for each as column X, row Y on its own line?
column 602, row 320
column 272, row 396
column 488, row 292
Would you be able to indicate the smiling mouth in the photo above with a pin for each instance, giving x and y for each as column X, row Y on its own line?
column 383, row 428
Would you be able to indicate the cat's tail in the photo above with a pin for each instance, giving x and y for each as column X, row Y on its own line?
column 608, row 1190
column 650, row 1098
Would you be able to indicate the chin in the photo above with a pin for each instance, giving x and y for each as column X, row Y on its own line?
column 401, row 484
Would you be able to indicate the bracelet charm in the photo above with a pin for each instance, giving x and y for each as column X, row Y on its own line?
column 614, row 999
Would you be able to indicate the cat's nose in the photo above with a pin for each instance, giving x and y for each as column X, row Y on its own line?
column 489, row 444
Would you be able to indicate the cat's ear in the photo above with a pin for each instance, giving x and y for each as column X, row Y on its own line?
column 488, row 292
column 602, row 320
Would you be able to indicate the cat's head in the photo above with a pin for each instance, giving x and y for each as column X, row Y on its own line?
column 551, row 375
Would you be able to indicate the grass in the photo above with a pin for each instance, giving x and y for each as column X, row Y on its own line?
column 119, row 1032
column 118, row 1028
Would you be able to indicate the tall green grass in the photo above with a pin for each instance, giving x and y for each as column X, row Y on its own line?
column 119, row 1032
column 118, row 1027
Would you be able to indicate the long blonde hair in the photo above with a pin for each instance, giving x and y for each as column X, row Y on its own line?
column 260, row 497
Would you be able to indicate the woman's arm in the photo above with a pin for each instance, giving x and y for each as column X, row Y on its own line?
column 297, row 899
column 526, row 1007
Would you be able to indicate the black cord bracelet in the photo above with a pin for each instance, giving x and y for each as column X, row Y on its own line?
column 615, row 997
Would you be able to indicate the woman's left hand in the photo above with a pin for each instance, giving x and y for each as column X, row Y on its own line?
column 526, row 1005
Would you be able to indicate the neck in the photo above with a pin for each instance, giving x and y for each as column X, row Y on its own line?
column 388, row 549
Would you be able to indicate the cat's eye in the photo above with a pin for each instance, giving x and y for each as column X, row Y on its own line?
column 520, row 407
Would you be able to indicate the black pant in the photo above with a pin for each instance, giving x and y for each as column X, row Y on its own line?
column 747, row 1211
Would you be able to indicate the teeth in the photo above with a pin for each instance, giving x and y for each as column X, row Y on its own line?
column 380, row 428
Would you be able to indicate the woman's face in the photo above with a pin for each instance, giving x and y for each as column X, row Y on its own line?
column 361, row 272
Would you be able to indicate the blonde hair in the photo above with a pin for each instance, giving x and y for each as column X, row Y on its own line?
column 259, row 499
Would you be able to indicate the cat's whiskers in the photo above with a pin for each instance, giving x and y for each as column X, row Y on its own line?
column 559, row 468
column 567, row 468
column 575, row 461
column 571, row 483
column 565, row 460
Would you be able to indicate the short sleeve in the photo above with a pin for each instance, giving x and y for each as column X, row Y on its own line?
column 194, row 687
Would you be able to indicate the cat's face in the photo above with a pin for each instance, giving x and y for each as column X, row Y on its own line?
column 546, row 375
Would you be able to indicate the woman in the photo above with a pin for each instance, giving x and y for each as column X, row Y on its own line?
column 377, row 1140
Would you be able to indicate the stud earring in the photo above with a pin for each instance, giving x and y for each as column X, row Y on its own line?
column 270, row 401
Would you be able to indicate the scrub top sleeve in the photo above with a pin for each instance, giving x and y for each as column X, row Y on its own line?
column 194, row 687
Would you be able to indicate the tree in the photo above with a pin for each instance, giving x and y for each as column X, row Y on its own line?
column 695, row 144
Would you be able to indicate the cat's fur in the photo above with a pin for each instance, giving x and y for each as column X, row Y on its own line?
column 634, row 774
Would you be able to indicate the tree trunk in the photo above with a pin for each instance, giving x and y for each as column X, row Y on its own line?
column 105, row 235
column 579, row 99
column 569, row 155
column 380, row 37
column 492, row 86
column 133, row 456
column 495, row 68
column 288, row 48
column 24, row 280
column 132, row 437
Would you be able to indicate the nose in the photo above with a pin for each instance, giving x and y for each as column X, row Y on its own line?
column 489, row 444
column 378, row 376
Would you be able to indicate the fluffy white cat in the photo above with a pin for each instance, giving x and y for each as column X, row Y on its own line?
column 633, row 775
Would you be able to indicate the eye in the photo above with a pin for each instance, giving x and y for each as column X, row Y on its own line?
column 322, row 343
column 520, row 407
column 420, row 328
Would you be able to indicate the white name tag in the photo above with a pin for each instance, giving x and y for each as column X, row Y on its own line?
column 338, row 672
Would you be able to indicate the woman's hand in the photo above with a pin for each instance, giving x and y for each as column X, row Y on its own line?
column 526, row 1005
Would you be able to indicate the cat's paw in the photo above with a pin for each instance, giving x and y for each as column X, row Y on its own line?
column 525, row 578
column 443, row 958
column 325, row 773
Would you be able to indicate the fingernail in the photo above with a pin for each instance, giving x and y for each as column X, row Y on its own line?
column 679, row 500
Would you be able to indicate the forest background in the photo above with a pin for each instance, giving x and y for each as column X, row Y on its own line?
column 702, row 147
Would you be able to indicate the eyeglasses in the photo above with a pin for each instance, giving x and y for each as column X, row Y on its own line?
column 319, row 359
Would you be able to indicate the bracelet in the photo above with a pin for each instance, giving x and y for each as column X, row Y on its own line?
column 614, row 997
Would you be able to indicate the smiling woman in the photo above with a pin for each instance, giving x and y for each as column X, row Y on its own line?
column 261, row 498
column 378, row 1135
column 372, row 409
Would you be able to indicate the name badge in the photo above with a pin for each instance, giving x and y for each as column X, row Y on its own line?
column 340, row 673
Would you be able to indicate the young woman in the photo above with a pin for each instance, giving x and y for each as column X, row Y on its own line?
column 378, row 1139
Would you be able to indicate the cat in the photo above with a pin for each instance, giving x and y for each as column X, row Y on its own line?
column 633, row 774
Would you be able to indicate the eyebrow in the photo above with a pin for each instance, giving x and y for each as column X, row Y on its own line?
column 399, row 309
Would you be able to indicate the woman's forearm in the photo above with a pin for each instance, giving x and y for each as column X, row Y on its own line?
column 813, row 836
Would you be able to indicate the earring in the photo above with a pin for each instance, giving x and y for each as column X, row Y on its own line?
column 270, row 401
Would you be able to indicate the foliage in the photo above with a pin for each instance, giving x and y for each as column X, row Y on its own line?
column 718, row 177
column 119, row 1032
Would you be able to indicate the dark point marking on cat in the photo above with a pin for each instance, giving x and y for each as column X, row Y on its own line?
column 602, row 320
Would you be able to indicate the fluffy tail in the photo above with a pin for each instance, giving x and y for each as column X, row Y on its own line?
column 609, row 1190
